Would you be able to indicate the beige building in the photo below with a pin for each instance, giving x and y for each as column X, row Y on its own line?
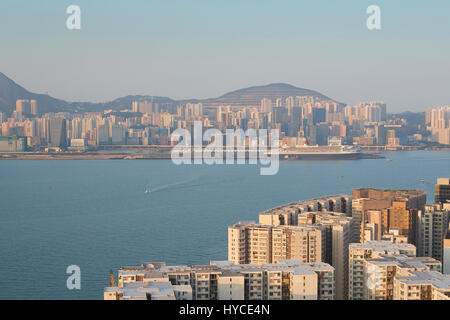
column 379, row 211
column 426, row 285
column 231, row 286
column 442, row 191
column 446, row 260
column 360, row 252
column 394, row 237
column 288, row 214
column 156, row 288
column 252, row 243
column 224, row 280
column 338, row 234
column 331, row 215
column 380, row 273
column 433, row 226
column 336, row 227
column 360, row 208
column 438, row 122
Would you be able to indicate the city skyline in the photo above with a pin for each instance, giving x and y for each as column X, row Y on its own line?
column 202, row 50
column 225, row 154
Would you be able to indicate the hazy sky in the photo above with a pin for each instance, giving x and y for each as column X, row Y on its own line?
column 201, row 49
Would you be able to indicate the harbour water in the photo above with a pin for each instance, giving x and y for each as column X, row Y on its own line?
column 96, row 214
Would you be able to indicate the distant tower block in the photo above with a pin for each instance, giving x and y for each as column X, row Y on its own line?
column 23, row 106
column 442, row 190
column 33, row 107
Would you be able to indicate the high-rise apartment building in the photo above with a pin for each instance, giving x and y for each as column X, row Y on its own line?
column 331, row 216
column 398, row 210
column 360, row 252
column 13, row 144
column 224, row 280
column 253, row 243
column 422, row 285
column 433, row 226
column 366, row 111
column 117, row 134
column 266, row 105
column 23, row 106
column 288, row 214
column 33, row 107
column 57, row 132
column 446, row 260
column 26, row 107
column 438, row 122
column 135, row 106
column 381, row 274
column 442, row 190
column 363, row 208
column 438, row 118
column 338, row 234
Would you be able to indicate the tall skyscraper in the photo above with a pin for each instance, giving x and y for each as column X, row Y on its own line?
column 442, row 190
column 102, row 133
column 433, row 226
column 338, row 233
column 23, row 106
column 438, row 122
column 57, row 130
column 266, row 105
column 33, row 107
column 135, row 106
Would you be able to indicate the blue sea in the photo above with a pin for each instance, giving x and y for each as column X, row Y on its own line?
column 95, row 214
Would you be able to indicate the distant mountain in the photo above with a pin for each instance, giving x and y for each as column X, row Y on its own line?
column 412, row 118
column 254, row 95
column 11, row 91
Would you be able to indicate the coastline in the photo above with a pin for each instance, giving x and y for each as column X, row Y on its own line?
column 155, row 156
column 161, row 155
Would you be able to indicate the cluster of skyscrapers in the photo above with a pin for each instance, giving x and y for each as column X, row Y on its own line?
column 376, row 244
column 438, row 123
column 307, row 120
column 302, row 120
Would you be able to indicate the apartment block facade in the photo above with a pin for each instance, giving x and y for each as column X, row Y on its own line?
column 251, row 243
column 381, row 272
column 442, row 190
column 433, row 227
column 224, row 280
column 360, row 252
column 425, row 285
column 397, row 210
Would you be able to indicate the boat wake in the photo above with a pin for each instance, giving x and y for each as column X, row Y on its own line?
column 191, row 183
column 176, row 185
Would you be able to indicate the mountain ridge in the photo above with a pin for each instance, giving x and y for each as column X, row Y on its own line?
column 10, row 91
